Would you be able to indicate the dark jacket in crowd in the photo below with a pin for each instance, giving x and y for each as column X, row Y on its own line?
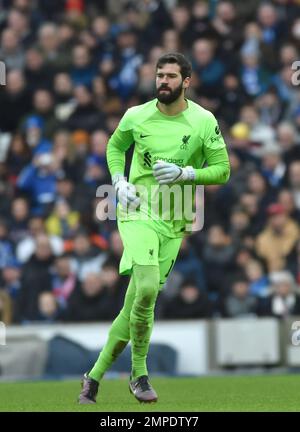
column 36, row 278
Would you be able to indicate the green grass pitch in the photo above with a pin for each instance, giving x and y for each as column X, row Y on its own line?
column 229, row 393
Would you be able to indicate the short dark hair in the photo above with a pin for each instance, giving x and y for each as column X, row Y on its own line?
column 180, row 59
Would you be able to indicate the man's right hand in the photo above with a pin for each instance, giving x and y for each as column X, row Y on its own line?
column 126, row 193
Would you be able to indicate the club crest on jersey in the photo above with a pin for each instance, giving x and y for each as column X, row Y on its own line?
column 185, row 140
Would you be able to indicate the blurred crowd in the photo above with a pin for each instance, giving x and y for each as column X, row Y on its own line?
column 72, row 69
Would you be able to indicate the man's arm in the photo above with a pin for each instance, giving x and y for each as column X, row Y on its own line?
column 117, row 146
column 218, row 169
column 215, row 152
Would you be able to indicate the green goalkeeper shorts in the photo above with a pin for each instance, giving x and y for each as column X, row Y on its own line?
column 144, row 246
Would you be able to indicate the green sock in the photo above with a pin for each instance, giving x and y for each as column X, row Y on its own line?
column 146, row 279
column 135, row 322
column 118, row 336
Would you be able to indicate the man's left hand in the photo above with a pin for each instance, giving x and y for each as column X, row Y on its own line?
column 166, row 173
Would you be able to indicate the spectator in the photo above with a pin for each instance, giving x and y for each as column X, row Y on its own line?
column 18, row 156
column 43, row 106
column 232, row 98
column 239, row 225
column 63, row 92
column 10, row 279
column 189, row 303
column 85, row 257
column 67, row 163
column 188, row 265
column 252, row 38
column 33, row 135
column 98, row 222
column 128, row 60
column 181, row 19
column 294, row 181
column 90, row 302
column 10, row 51
column 14, row 102
column 258, row 185
column 270, row 108
column 261, row 135
column 36, row 278
column 19, row 22
column 287, row 139
column 66, row 190
column 278, row 238
column 115, row 246
column 18, row 224
column 102, row 32
column 250, row 204
column 6, row 193
column 95, row 173
column 64, row 281
column 253, row 77
column 208, row 68
column 99, row 140
column 272, row 30
column 114, row 285
column 283, row 84
column 39, row 181
column 145, row 84
column 48, row 310
column 26, row 247
column 288, row 54
column 6, row 314
column 85, row 116
column 239, row 303
column 62, row 221
column 48, row 41
column 241, row 168
column 38, row 75
column 229, row 30
column 284, row 299
column 286, row 199
column 83, row 71
column 258, row 280
column 200, row 25
column 6, row 246
column 273, row 168
column 217, row 254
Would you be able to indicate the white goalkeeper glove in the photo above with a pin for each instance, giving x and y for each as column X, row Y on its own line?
column 166, row 173
column 126, row 192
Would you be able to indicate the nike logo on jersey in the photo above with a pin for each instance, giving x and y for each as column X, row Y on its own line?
column 143, row 136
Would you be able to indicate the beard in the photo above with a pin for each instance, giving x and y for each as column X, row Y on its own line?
column 168, row 97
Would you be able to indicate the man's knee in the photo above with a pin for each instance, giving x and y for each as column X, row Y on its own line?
column 147, row 282
column 147, row 296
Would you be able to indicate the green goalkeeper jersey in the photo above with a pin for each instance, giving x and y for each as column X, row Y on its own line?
column 190, row 138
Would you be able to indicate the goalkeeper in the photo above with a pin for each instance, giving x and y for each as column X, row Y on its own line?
column 174, row 137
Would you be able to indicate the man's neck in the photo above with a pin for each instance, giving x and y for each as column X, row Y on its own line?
column 174, row 108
